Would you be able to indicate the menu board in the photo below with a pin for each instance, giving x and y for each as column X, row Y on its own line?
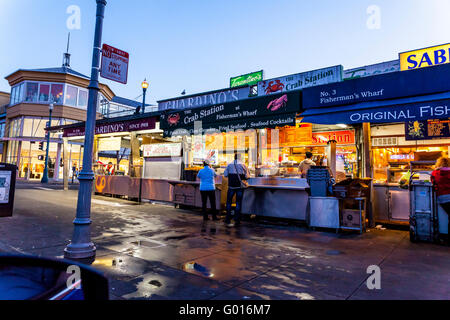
column 427, row 129
column 296, row 136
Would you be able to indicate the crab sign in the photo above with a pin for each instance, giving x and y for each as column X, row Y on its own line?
column 173, row 119
column 274, row 86
column 278, row 103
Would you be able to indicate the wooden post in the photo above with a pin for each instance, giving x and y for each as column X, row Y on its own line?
column 367, row 151
column 331, row 156
column 367, row 160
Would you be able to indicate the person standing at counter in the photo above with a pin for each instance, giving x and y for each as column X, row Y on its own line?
column 441, row 180
column 306, row 164
column 207, row 190
column 237, row 174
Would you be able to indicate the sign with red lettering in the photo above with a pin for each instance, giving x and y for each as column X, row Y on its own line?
column 342, row 137
column 114, row 64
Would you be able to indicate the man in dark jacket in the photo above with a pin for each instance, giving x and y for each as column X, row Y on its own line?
column 235, row 172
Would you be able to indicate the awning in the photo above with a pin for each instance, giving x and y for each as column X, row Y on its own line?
column 435, row 106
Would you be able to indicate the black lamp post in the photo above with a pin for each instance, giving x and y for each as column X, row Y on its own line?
column 144, row 89
column 81, row 247
column 45, row 174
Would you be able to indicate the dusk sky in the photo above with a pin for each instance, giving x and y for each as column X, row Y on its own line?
column 198, row 45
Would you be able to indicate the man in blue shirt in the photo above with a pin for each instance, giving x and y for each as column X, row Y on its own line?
column 207, row 189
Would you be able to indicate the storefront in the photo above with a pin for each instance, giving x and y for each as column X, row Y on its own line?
column 404, row 116
column 267, row 133
column 117, row 145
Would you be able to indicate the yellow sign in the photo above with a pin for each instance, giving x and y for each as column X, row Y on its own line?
column 426, row 57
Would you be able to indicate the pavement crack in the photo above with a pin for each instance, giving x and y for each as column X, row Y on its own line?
column 379, row 264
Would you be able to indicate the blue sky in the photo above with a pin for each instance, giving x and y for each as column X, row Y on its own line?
column 197, row 45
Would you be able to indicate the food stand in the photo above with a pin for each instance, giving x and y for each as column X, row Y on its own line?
column 403, row 116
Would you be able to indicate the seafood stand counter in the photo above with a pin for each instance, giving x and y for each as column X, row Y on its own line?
column 187, row 193
column 276, row 197
column 270, row 197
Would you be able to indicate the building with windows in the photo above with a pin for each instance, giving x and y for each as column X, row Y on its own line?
column 27, row 115
column 4, row 102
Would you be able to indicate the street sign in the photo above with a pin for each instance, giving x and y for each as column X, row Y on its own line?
column 114, row 64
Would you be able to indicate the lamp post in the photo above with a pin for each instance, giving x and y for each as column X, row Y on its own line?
column 81, row 246
column 144, row 89
column 45, row 174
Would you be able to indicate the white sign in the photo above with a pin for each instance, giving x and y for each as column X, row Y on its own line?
column 372, row 70
column 114, row 64
column 300, row 80
column 109, row 144
column 5, row 182
column 162, row 150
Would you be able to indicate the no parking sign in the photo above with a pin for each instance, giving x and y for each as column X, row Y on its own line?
column 114, row 64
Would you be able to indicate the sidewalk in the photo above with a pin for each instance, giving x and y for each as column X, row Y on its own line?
column 159, row 252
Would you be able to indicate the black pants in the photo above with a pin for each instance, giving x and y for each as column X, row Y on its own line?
column 212, row 200
column 446, row 207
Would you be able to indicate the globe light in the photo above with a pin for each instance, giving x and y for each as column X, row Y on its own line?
column 144, row 84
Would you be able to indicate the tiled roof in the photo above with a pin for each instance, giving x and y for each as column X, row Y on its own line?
column 64, row 70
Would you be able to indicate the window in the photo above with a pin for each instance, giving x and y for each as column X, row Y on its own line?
column 28, row 128
column 82, row 98
column 14, row 127
column 44, row 92
column 17, row 93
column 31, row 94
column 57, row 93
column 2, row 129
column 71, row 96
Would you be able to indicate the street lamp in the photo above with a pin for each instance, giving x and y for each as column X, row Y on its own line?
column 81, row 247
column 144, row 89
column 45, row 174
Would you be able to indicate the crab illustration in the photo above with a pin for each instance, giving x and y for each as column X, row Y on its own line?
column 274, row 86
column 278, row 103
column 173, row 119
column 416, row 129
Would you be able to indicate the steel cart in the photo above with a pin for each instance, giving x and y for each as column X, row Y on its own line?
column 423, row 209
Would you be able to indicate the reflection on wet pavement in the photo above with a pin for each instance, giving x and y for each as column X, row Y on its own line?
column 158, row 252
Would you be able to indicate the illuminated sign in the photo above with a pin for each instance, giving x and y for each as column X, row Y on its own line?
column 162, row 150
column 426, row 57
column 246, row 79
column 341, row 137
column 109, row 144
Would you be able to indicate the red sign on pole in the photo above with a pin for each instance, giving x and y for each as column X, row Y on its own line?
column 114, row 64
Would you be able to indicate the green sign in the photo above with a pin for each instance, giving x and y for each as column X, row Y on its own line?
column 247, row 79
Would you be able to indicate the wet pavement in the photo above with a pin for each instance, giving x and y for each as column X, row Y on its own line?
column 155, row 251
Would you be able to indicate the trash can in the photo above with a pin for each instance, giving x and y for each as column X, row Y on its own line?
column 7, row 188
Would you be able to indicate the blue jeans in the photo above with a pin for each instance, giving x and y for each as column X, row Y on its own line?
column 237, row 212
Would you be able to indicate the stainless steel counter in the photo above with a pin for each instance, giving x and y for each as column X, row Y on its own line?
column 276, row 197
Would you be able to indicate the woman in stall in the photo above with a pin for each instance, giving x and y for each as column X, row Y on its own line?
column 441, row 180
